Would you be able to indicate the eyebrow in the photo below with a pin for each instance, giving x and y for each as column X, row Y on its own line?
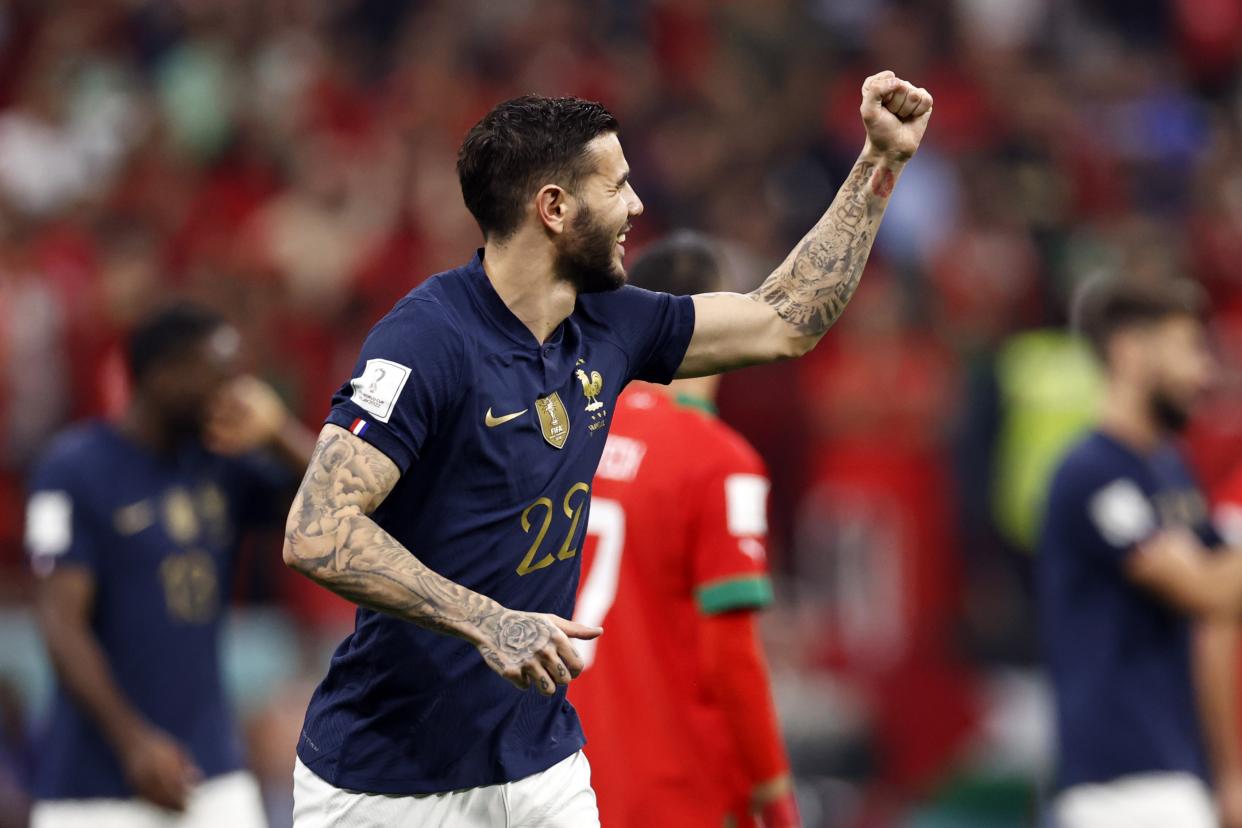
column 625, row 176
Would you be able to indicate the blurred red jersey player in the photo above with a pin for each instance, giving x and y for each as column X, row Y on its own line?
column 675, row 703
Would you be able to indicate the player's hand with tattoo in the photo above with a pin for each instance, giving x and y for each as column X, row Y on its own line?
column 533, row 648
column 895, row 113
column 160, row 770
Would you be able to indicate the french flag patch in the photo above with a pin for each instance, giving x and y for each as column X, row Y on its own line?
column 359, row 426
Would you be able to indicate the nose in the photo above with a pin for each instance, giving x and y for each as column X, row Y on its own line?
column 636, row 205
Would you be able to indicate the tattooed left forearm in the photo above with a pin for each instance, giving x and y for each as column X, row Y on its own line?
column 331, row 538
column 812, row 286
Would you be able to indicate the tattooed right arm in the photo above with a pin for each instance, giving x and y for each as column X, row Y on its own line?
column 797, row 304
column 331, row 538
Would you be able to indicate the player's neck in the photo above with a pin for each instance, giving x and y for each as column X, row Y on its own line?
column 143, row 426
column 1124, row 415
column 521, row 272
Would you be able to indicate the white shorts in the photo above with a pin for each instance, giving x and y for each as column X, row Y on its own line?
column 559, row 797
column 1154, row 800
column 232, row 800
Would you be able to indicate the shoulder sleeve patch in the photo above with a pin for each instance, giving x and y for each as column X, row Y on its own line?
column 379, row 387
column 49, row 523
column 1122, row 513
column 746, row 502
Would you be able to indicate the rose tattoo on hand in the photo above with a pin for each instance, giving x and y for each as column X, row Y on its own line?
column 530, row 648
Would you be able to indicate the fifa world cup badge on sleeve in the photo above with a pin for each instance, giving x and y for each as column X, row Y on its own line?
column 49, row 524
column 377, row 390
column 554, row 419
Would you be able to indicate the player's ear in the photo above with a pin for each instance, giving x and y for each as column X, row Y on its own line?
column 1123, row 349
column 552, row 205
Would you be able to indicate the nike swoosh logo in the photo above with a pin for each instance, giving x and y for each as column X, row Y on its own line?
column 492, row 422
column 134, row 518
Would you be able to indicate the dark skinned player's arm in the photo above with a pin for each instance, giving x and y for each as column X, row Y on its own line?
column 331, row 538
column 157, row 767
column 796, row 305
column 293, row 444
column 732, row 663
column 64, row 601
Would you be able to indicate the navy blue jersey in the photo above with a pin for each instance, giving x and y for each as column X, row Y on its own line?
column 159, row 537
column 1118, row 654
column 497, row 438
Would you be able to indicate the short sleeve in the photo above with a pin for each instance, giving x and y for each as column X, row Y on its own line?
column 58, row 523
column 406, row 380
column 654, row 329
column 1120, row 516
column 1190, row 507
column 730, row 541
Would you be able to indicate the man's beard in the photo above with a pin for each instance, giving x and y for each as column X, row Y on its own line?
column 586, row 258
column 1170, row 416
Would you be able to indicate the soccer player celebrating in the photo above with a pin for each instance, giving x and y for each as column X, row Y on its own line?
column 449, row 492
column 1127, row 560
column 677, row 570
column 132, row 529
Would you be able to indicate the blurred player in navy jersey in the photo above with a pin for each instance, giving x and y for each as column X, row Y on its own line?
column 677, row 569
column 450, row 489
column 132, row 529
column 1129, row 570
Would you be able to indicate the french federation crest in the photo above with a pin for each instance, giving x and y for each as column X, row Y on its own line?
column 553, row 419
column 592, row 387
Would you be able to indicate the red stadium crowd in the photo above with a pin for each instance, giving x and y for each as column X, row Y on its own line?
column 291, row 162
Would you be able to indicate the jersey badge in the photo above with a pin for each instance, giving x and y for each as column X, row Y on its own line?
column 553, row 419
column 180, row 517
column 592, row 387
column 377, row 390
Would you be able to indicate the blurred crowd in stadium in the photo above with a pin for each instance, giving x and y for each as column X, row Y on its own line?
column 291, row 162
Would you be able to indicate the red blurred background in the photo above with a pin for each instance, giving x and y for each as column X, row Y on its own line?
column 291, row 162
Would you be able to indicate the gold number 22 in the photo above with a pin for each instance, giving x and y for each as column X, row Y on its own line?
column 572, row 511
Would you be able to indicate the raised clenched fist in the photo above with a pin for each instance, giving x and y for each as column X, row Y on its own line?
column 895, row 113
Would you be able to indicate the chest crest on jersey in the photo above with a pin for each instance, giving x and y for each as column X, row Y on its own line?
column 553, row 419
column 181, row 520
column 592, row 387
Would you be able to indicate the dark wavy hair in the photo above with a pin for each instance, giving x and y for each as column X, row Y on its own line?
column 520, row 146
